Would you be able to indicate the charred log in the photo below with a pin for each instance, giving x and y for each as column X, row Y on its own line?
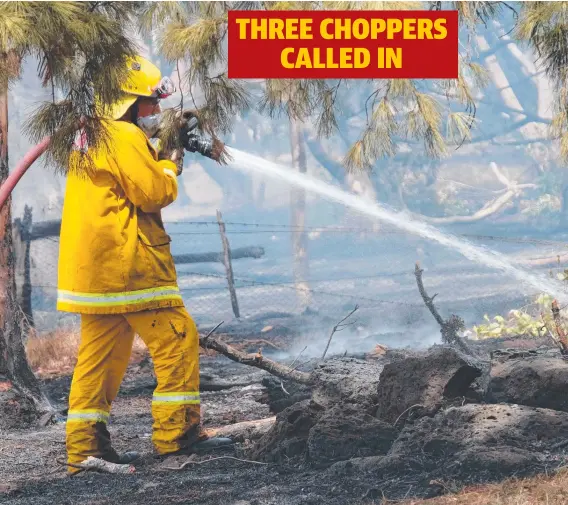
column 256, row 360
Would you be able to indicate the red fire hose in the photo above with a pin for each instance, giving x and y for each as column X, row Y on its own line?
column 26, row 162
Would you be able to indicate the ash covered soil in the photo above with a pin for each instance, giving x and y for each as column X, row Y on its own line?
column 395, row 424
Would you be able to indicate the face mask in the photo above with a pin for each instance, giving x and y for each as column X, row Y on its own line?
column 150, row 125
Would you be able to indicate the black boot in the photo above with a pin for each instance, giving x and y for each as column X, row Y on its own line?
column 107, row 451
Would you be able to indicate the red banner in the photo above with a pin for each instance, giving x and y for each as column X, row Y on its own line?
column 343, row 44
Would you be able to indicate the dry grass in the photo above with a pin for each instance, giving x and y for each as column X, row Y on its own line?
column 55, row 353
column 552, row 490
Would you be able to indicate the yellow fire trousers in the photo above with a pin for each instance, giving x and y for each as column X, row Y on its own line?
column 106, row 343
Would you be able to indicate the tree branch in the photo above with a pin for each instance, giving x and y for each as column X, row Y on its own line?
column 256, row 360
column 191, row 461
column 449, row 329
column 489, row 209
column 511, row 191
column 338, row 327
column 501, row 177
column 429, row 302
column 239, row 432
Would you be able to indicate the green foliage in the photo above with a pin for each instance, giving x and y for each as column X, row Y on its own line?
column 399, row 109
column 518, row 322
column 369, row 5
column 301, row 99
column 196, row 34
column 159, row 13
column 81, row 47
column 473, row 12
column 417, row 114
column 535, row 320
column 544, row 26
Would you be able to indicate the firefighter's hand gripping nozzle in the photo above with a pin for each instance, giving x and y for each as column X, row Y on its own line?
column 189, row 138
column 191, row 141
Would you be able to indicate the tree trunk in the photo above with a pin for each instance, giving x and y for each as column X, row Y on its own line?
column 298, row 218
column 13, row 360
column 21, row 250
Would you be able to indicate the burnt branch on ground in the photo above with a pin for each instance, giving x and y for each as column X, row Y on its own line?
column 245, row 430
column 192, row 461
column 448, row 328
column 256, row 360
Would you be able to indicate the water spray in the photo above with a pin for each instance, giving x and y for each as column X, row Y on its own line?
column 401, row 220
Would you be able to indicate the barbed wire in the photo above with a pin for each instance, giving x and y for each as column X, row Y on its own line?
column 273, row 228
column 287, row 285
column 517, row 240
column 282, row 228
column 240, row 232
column 272, row 287
column 312, row 281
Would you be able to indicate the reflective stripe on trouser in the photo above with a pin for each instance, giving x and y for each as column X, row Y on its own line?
column 106, row 342
column 129, row 300
column 82, row 416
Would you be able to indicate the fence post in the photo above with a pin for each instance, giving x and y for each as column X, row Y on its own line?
column 228, row 265
column 21, row 236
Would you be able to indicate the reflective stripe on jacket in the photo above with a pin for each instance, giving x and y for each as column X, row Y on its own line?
column 114, row 254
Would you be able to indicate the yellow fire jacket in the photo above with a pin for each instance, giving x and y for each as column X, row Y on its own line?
column 114, row 254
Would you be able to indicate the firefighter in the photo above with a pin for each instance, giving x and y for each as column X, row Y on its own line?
column 117, row 272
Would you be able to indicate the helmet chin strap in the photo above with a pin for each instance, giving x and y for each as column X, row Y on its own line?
column 131, row 114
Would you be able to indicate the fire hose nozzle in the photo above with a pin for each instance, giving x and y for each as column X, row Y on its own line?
column 193, row 142
column 188, row 136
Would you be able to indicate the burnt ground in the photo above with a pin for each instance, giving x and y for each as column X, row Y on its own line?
column 435, row 421
column 30, row 473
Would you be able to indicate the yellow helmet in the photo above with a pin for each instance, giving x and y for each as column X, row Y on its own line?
column 145, row 79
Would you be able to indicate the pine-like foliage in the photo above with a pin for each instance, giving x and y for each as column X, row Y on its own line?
column 195, row 32
column 544, row 26
column 437, row 113
column 81, row 48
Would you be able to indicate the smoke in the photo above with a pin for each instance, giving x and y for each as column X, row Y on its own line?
column 368, row 329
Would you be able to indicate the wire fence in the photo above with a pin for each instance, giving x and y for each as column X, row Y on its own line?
column 346, row 265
